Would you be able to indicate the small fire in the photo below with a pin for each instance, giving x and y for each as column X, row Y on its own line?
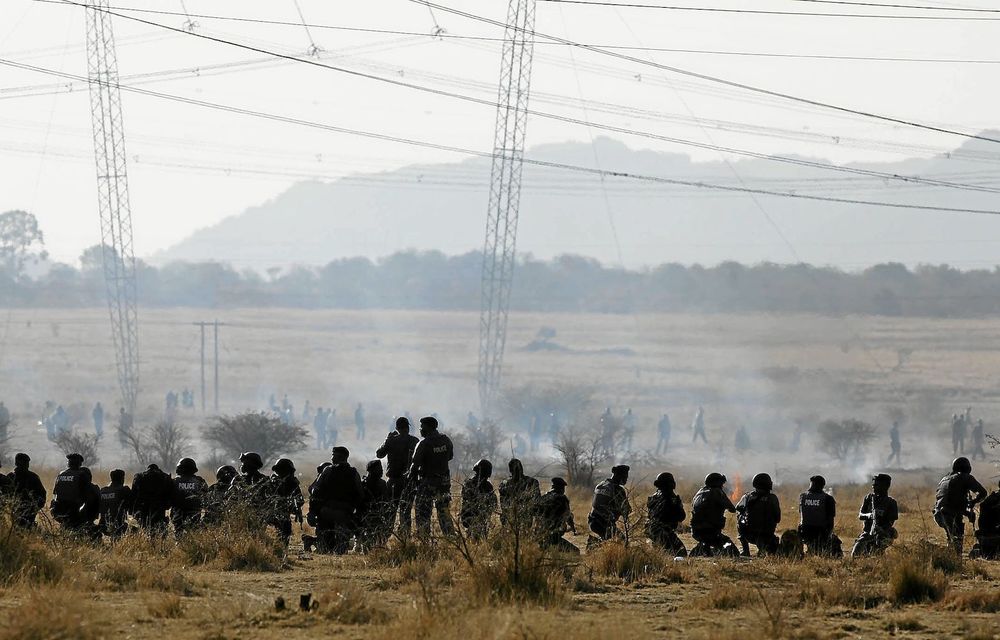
column 737, row 492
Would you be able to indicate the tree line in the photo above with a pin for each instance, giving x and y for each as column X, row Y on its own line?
column 432, row 280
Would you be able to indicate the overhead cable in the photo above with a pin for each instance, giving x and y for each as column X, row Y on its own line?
column 489, row 155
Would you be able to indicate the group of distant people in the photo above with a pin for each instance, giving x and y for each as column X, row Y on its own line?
column 961, row 424
column 323, row 421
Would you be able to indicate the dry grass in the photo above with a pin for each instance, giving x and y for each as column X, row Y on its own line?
column 636, row 561
column 348, row 604
column 979, row 601
column 51, row 614
column 165, row 606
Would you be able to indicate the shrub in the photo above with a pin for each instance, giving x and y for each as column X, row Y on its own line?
column 166, row 606
column 976, row 601
column 845, row 439
column 582, row 451
column 913, row 581
column 629, row 563
column 236, row 544
column 349, row 605
column 23, row 556
column 50, row 615
column 256, row 431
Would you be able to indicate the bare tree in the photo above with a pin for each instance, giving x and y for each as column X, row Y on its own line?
column 85, row 444
column 255, row 431
column 162, row 444
column 845, row 439
column 582, row 451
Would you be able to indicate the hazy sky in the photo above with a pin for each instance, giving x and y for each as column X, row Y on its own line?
column 190, row 166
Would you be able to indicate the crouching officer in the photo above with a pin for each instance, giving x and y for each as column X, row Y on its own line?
column 190, row 490
column 555, row 518
column 956, row 498
column 708, row 519
column 284, row 496
column 91, row 508
column 335, row 498
column 69, row 493
column 665, row 512
column 879, row 512
column 432, row 476
column 479, row 501
column 376, row 511
column 610, row 503
column 153, row 493
column 817, row 513
column 116, row 504
column 216, row 498
column 28, row 491
column 988, row 534
column 759, row 515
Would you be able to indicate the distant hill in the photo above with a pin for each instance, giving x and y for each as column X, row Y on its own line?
column 443, row 207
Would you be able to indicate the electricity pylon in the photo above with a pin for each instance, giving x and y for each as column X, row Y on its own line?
column 113, row 201
column 505, row 197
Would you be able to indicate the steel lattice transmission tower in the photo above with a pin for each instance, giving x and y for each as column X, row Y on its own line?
column 505, row 196
column 113, row 200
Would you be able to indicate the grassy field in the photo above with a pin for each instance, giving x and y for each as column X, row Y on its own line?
column 189, row 589
column 761, row 371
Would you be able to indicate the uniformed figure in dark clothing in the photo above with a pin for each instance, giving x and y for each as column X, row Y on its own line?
column 283, row 495
column 336, row 496
column 479, row 501
column 663, row 434
column 98, row 415
column 248, row 487
column 153, row 494
column 894, row 444
column 432, row 477
column 398, row 450
column 91, row 509
column 817, row 513
column 69, row 493
column 6, row 484
column 116, row 504
column 978, row 440
column 375, row 514
column 956, row 498
column 555, row 518
column 708, row 518
column 519, row 496
column 28, row 490
column 217, row 496
column 610, row 503
column 988, row 534
column 190, row 491
column 759, row 515
column 665, row 512
column 879, row 512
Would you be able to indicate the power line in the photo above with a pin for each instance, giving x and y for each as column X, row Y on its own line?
column 900, row 6
column 773, row 12
column 483, row 154
column 445, row 35
column 553, row 116
column 718, row 80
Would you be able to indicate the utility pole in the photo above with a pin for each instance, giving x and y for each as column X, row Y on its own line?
column 216, row 340
column 113, row 197
column 505, row 197
column 215, row 324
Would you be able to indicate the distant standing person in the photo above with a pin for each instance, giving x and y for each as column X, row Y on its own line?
column 978, row 440
column 319, row 426
column 4, row 421
column 958, row 433
column 359, row 421
column 663, row 429
column 698, row 424
column 894, row 446
column 98, row 415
